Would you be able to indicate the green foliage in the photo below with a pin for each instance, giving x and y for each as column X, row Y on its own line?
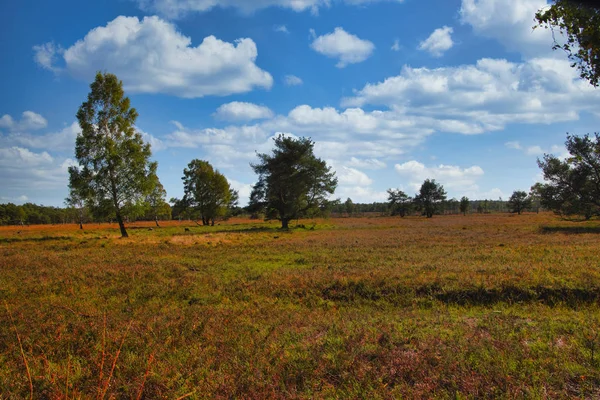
column 573, row 186
column 580, row 24
column 114, row 162
column 349, row 205
column 156, row 204
column 519, row 201
column 430, row 197
column 400, row 203
column 207, row 191
column 464, row 205
column 292, row 181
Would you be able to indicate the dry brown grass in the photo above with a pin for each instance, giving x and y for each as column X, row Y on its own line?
column 483, row 306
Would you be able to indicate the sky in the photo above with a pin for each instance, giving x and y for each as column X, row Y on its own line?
column 392, row 92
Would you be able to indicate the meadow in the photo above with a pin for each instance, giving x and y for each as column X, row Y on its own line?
column 460, row 307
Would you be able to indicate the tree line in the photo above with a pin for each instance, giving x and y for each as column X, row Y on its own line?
column 116, row 180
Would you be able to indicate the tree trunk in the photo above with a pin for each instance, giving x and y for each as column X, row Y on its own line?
column 80, row 224
column 121, row 225
column 156, row 220
column 285, row 223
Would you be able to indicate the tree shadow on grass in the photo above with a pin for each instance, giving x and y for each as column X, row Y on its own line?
column 36, row 239
column 570, row 229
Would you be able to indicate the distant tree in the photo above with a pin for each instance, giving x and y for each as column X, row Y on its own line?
column 573, row 186
column 464, row 205
column 399, row 202
column 114, row 160
column 430, row 197
column 77, row 203
column 206, row 191
column 579, row 21
column 292, row 181
column 156, row 202
column 349, row 206
column 535, row 193
column 519, row 201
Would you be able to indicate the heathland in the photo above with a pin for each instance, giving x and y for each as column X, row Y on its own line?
column 477, row 306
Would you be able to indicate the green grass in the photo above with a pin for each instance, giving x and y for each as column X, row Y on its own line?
column 452, row 307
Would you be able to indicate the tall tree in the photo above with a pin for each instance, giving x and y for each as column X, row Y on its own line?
column 464, row 205
column 573, row 185
column 207, row 191
column 114, row 162
column 399, row 202
column 430, row 197
column 579, row 22
column 519, row 201
column 292, row 181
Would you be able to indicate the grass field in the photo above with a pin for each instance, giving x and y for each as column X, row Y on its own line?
column 482, row 306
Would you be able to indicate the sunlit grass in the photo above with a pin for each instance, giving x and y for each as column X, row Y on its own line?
column 450, row 307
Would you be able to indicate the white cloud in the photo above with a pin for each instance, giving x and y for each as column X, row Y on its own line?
column 151, row 56
column 510, row 22
column 282, row 29
column 438, row 42
column 29, row 121
column 244, row 190
column 450, row 176
column 64, row 140
column 46, row 55
column 396, row 46
column 179, row 8
column 513, row 145
column 536, row 150
column 486, row 96
column 239, row 111
column 20, row 157
column 348, row 48
column 352, row 177
column 360, row 194
column 292, row 80
column 371, row 163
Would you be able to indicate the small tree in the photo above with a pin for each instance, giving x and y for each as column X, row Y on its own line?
column 349, row 206
column 399, row 202
column 156, row 202
column 519, row 201
column 292, row 181
column 206, row 191
column 114, row 161
column 573, row 186
column 464, row 205
column 430, row 197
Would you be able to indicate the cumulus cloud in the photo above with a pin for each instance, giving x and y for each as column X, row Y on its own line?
column 510, row 22
column 450, row 176
column 240, row 111
column 63, row 140
column 151, row 56
column 486, row 96
column 438, row 42
column 23, row 170
column 29, row 121
column 179, row 8
column 347, row 48
column 292, row 80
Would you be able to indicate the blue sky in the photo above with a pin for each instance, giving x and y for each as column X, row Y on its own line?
column 392, row 92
